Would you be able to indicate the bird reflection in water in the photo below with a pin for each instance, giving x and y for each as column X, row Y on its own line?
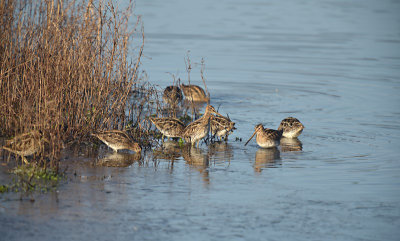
column 118, row 159
column 266, row 157
column 169, row 151
column 220, row 152
column 291, row 144
column 197, row 159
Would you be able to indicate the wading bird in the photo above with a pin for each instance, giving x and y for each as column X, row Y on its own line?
column 118, row 140
column 168, row 126
column 222, row 126
column 266, row 138
column 291, row 127
column 25, row 144
column 199, row 128
column 172, row 95
column 194, row 93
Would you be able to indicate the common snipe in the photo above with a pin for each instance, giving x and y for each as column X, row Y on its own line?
column 194, row 93
column 222, row 126
column 168, row 126
column 172, row 95
column 291, row 127
column 118, row 140
column 25, row 144
column 266, row 137
column 199, row 128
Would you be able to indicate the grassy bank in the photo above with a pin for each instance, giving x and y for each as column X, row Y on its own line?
column 66, row 70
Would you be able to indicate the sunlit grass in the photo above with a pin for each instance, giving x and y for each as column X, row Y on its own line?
column 66, row 70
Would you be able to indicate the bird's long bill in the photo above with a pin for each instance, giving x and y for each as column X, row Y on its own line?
column 218, row 114
column 251, row 137
column 209, row 129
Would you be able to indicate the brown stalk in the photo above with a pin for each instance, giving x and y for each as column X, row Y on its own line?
column 65, row 69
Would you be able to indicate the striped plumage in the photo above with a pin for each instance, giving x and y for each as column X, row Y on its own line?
column 266, row 138
column 172, row 95
column 194, row 93
column 168, row 126
column 198, row 129
column 291, row 127
column 222, row 126
column 118, row 140
column 25, row 144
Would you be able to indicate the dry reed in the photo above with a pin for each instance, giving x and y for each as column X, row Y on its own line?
column 66, row 70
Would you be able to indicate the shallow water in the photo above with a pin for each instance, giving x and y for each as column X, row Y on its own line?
column 335, row 65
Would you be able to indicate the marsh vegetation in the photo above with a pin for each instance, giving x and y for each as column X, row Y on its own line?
column 67, row 71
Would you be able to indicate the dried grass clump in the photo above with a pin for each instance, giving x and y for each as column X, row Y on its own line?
column 65, row 69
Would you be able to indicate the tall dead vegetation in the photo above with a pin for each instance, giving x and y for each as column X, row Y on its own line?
column 66, row 69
